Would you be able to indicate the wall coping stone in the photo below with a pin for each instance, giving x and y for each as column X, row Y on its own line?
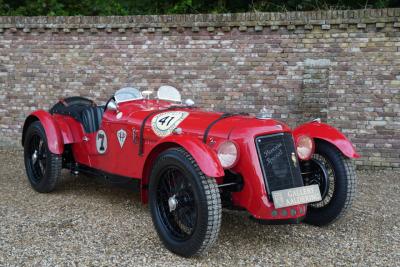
column 226, row 22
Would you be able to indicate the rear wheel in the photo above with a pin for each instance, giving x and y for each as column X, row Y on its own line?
column 42, row 167
column 185, row 204
column 336, row 177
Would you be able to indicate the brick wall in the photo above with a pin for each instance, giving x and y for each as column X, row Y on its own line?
column 342, row 66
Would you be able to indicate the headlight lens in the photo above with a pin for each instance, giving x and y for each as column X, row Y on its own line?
column 228, row 154
column 304, row 147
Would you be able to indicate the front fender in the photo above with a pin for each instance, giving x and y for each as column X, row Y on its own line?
column 53, row 134
column 204, row 156
column 328, row 133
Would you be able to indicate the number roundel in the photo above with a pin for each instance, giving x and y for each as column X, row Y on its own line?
column 101, row 142
column 164, row 123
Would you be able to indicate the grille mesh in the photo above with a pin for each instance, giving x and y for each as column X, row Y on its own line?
column 275, row 155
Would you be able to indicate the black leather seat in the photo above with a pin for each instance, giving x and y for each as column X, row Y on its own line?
column 91, row 118
column 81, row 109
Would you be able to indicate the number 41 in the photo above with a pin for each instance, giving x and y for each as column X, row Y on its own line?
column 164, row 120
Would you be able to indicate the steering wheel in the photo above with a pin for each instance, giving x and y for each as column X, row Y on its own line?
column 108, row 101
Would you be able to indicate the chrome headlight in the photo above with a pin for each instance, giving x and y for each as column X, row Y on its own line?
column 228, row 154
column 304, row 147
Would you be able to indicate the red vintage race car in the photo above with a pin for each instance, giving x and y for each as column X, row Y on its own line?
column 190, row 163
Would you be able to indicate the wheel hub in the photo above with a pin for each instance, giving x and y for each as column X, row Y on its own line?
column 34, row 156
column 172, row 203
column 320, row 177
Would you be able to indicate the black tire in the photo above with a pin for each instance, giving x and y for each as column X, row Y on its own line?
column 42, row 167
column 341, row 180
column 196, row 196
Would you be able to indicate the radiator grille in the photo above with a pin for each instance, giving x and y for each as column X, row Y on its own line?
column 278, row 161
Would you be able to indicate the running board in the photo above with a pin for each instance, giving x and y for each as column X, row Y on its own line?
column 123, row 181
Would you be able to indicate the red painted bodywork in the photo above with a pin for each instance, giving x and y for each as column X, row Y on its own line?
column 127, row 162
column 51, row 127
column 323, row 131
column 205, row 157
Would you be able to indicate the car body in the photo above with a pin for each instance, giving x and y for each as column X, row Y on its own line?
column 126, row 139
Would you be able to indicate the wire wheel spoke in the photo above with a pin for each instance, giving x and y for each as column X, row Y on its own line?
column 185, row 219
column 324, row 176
column 176, row 203
column 37, row 157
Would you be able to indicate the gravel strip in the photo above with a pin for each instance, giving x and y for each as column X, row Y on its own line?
column 87, row 221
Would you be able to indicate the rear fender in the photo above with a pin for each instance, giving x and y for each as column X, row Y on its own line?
column 53, row 134
column 323, row 131
column 204, row 156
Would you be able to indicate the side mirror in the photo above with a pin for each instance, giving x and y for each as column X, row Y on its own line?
column 112, row 105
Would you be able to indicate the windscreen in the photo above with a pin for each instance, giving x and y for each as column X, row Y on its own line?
column 169, row 93
column 127, row 94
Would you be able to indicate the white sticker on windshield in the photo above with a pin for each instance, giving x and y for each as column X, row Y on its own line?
column 164, row 123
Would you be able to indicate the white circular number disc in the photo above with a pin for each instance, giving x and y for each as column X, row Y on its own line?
column 164, row 123
column 101, row 142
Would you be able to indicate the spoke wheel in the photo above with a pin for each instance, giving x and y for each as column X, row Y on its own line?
column 176, row 204
column 185, row 204
column 321, row 173
column 37, row 157
column 336, row 178
column 42, row 166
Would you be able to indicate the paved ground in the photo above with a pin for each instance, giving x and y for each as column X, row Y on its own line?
column 88, row 222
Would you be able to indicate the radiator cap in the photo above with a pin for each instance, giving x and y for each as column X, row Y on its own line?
column 263, row 114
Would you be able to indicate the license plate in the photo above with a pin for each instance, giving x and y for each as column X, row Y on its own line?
column 296, row 196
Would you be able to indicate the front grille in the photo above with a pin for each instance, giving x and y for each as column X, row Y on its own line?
column 278, row 161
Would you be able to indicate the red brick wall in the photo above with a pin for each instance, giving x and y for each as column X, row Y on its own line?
column 342, row 66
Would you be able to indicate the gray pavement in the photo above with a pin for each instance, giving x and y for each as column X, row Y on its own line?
column 86, row 221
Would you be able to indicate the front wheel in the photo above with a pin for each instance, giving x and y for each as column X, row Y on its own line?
column 185, row 205
column 336, row 177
